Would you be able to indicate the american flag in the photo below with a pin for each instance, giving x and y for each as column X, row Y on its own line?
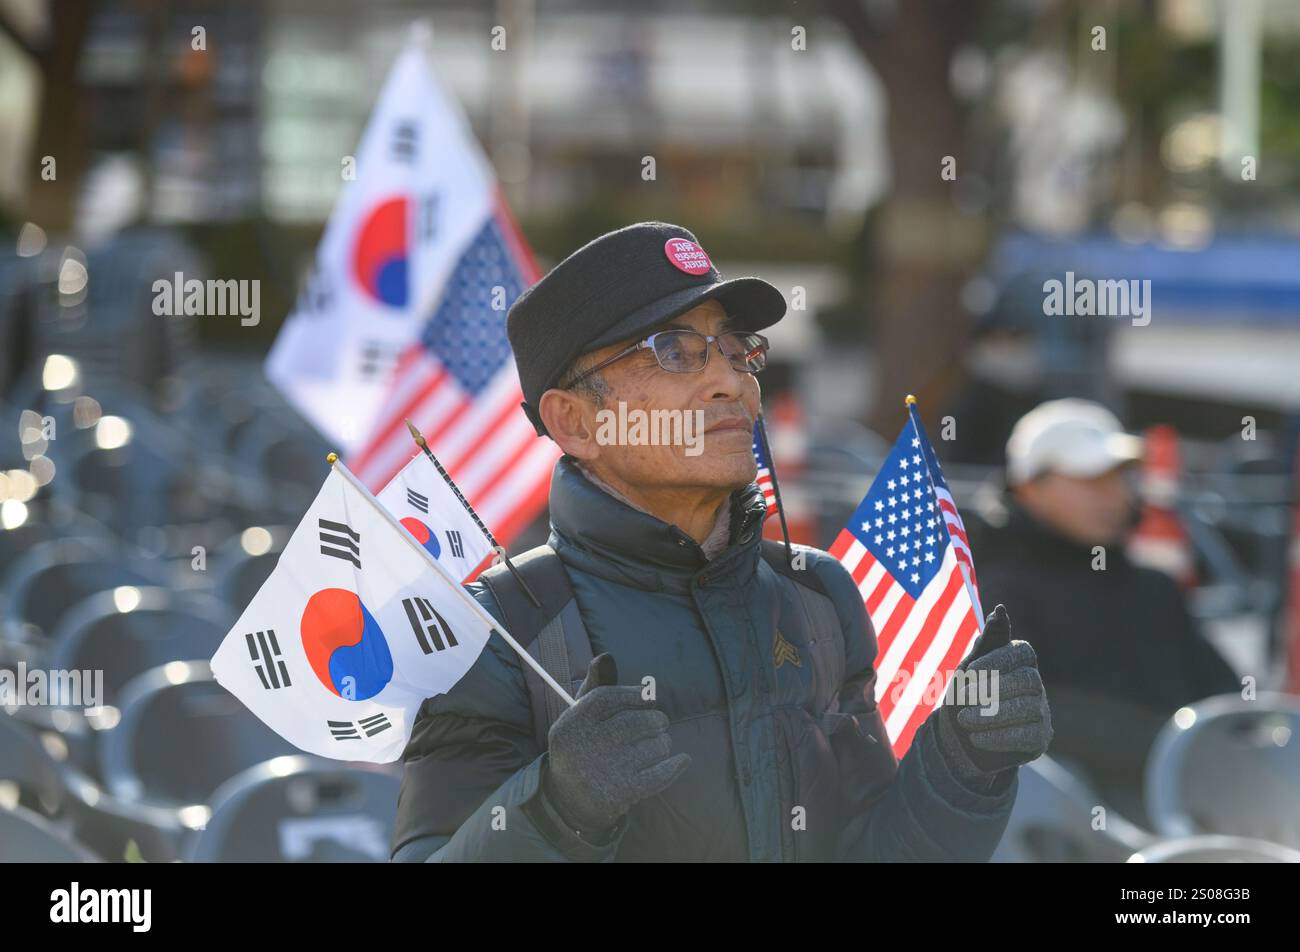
column 458, row 385
column 907, row 549
column 764, row 477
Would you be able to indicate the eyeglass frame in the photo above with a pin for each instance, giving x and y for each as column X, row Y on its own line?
column 648, row 342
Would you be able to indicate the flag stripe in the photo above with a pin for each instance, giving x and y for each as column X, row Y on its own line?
column 879, row 591
column 518, row 503
column 913, row 623
column 841, row 546
column 493, row 452
column 928, row 647
column 528, row 482
column 890, row 613
column 956, row 651
column 413, row 389
column 432, row 416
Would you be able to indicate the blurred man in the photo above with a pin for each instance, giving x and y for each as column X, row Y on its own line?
column 740, row 721
column 1116, row 646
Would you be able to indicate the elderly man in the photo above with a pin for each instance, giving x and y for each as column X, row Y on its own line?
column 1117, row 646
column 728, row 710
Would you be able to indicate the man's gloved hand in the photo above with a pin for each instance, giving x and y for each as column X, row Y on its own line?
column 606, row 753
column 975, row 744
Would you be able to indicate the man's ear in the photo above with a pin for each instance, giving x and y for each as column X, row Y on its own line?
column 569, row 418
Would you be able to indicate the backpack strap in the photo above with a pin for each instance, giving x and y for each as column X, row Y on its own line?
column 553, row 634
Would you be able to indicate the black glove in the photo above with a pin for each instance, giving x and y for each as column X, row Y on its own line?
column 606, row 753
column 977, row 744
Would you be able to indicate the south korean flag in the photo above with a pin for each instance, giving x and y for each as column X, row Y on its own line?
column 353, row 630
column 427, row 507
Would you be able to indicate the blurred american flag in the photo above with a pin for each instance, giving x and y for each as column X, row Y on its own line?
column 458, row 385
column 764, row 477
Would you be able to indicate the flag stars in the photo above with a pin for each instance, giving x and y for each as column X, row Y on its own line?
column 929, row 557
column 915, row 578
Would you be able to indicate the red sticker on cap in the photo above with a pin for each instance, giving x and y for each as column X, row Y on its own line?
column 687, row 256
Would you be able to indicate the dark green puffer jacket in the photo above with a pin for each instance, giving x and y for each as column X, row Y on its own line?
column 789, row 760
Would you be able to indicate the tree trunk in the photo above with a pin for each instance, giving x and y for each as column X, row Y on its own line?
column 923, row 248
column 61, row 120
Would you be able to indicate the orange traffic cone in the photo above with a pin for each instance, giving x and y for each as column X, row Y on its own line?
column 789, row 437
column 1160, row 541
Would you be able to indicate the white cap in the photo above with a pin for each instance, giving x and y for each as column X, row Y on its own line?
column 1071, row 437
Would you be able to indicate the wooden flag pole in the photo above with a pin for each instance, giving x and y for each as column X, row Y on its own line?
column 482, row 612
column 499, row 549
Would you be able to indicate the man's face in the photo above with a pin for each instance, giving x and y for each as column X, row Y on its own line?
column 706, row 450
column 1096, row 511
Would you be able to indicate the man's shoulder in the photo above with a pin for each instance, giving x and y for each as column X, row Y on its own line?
column 494, row 684
column 815, row 569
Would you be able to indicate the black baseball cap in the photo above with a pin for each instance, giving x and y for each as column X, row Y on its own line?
column 620, row 286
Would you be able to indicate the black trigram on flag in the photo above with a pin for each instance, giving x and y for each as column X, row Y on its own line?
column 417, row 501
column 340, row 541
column 428, row 624
column 453, row 541
column 406, row 136
column 377, row 358
column 264, row 650
column 370, row 726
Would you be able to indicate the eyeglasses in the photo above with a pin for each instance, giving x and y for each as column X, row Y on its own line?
column 687, row 352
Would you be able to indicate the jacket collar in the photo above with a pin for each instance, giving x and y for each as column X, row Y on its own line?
column 598, row 533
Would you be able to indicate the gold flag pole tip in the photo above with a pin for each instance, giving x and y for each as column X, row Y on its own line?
column 332, row 458
column 415, row 434
column 910, row 400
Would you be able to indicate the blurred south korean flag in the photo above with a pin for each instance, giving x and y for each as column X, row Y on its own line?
column 355, row 627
